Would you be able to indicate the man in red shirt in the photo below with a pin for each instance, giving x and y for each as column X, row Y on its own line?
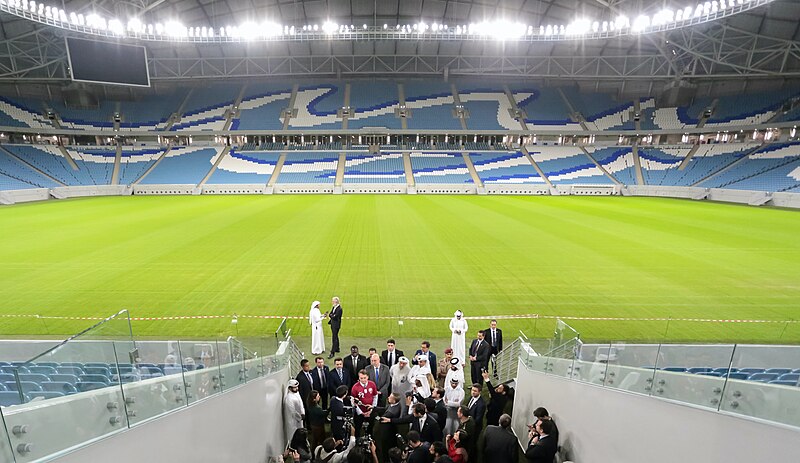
column 366, row 394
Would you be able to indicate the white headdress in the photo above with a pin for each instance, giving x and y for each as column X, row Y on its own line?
column 459, row 313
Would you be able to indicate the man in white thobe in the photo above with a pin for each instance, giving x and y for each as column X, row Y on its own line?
column 399, row 373
column 458, row 341
column 315, row 318
column 293, row 409
column 453, row 396
column 456, row 371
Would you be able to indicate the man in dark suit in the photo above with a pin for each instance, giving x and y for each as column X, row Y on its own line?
column 386, row 431
column 544, row 446
column 437, row 394
column 425, row 349
column 338, row 377
column 500, row 397
column 391, row 355
column 467, row 424
column 494, row 336
column 479, row 353
column 378, row 373
column 418, row 452
column 338, row 413
column 335, row 320
column 354, row 363
column 306, row 380
column 499, row 443
column 477, row 406
column 425, row 425
column 320, row 377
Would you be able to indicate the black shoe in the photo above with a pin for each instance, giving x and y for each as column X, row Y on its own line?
column 330, row 356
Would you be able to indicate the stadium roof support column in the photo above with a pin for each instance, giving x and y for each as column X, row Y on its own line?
column 409, row 171
column 117, row 161
column 637, row 163
column 401, row 95
column 602, row 169
column 524, row 151
column 155, row 164
column 576, row 114
column 273, row 179
column 221, row 156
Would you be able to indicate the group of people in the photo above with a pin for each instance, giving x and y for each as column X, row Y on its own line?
column 388, row 394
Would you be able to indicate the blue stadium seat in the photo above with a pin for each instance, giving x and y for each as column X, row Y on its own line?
column 93, row 379
column 778, row 371
column 5, row 377
column 34, row 377
column 12, row 369
column 59, row 386
column 697, row 370
column 763, row 377
column 27, row 386
column 46, row 394
column 742, row 376
column 725, row 371
column 790, row 377
column 95, row 365
column 71, row 379
column 8, row 398
column 784, row 383
column 152, row 375
column 47, row 364
column 88, row 370
column 42, row 369
column 128, row 377
column 90, row 386
column 711, row 373
column 2, row 387
column 71, row 364
column 70, row 370
column 751, row 371
column 675, row 369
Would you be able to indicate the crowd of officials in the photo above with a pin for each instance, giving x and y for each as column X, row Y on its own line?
column 389, row 408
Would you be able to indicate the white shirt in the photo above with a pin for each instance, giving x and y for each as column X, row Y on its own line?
column 453, row 397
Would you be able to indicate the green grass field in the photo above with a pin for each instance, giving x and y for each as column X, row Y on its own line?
column 403, row 256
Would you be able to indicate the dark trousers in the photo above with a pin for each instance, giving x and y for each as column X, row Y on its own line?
column 335, row 338
column 317, row 435
column 476, row 373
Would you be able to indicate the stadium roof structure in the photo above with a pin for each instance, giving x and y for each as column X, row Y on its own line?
column 761, row 43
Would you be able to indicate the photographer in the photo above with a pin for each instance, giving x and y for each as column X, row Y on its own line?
column 362, row 455
column 338, row 413
column 327, row 453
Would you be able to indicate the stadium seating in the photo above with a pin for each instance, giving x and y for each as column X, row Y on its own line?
column 431, row 105
column 51, row 161
column 309, row 167
column 771, row 168
column 368, row 168
column 707, row 160
column 262, row 111
column 98, row 163
column 317, row 107
column 20, row 114
column 134, row 162
column 96, row 118
column 543, row 108
column 439, row 167
column 183, row 165
column 150, row 112
column 567, row 165
column 372, row 104
column 503, row 167
column 617, row 161
column 657, row 161
column 15, row 175
column 250, row 167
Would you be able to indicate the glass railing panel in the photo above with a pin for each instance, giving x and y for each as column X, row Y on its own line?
column 590, row 372
column 768, row 401
column 701, row 390
column 630, row 367
column 6, row 452
column 560, row 367
column 152, row 389
column 88, row 402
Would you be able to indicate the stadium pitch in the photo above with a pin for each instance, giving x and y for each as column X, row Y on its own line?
column 400, row 257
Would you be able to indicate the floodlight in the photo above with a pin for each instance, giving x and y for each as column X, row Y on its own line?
column 640, row 23
column 385, row 26
column 330, row 27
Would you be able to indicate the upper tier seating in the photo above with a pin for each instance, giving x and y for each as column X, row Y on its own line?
column 183, row 166
column 489, row 109
column 431, row 105
column 617, row 161
column 771, row 168
column 261, row 108
column 15, row 175
column 567, row 165
column 439, row 167
column 21, row 113
column 503, row 167
column 369, row 168
column 317, row 107
column 372, row 104
column 150, row 112
column 98, row 118
column 206, row 107
column 309, row 167
column 134, row 162
column 658, row 161
column 97, row 162
column 543, row 107
column 251, row 167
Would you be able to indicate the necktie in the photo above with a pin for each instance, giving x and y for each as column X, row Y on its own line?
column 321, row 377
column 472, row 402
column 494, row 339
column 308, row 375
column 391, row 358
column 377, row 374
column 341, row 378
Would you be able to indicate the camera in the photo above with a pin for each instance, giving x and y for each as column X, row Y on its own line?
column 365, row 440
column 402, row 443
